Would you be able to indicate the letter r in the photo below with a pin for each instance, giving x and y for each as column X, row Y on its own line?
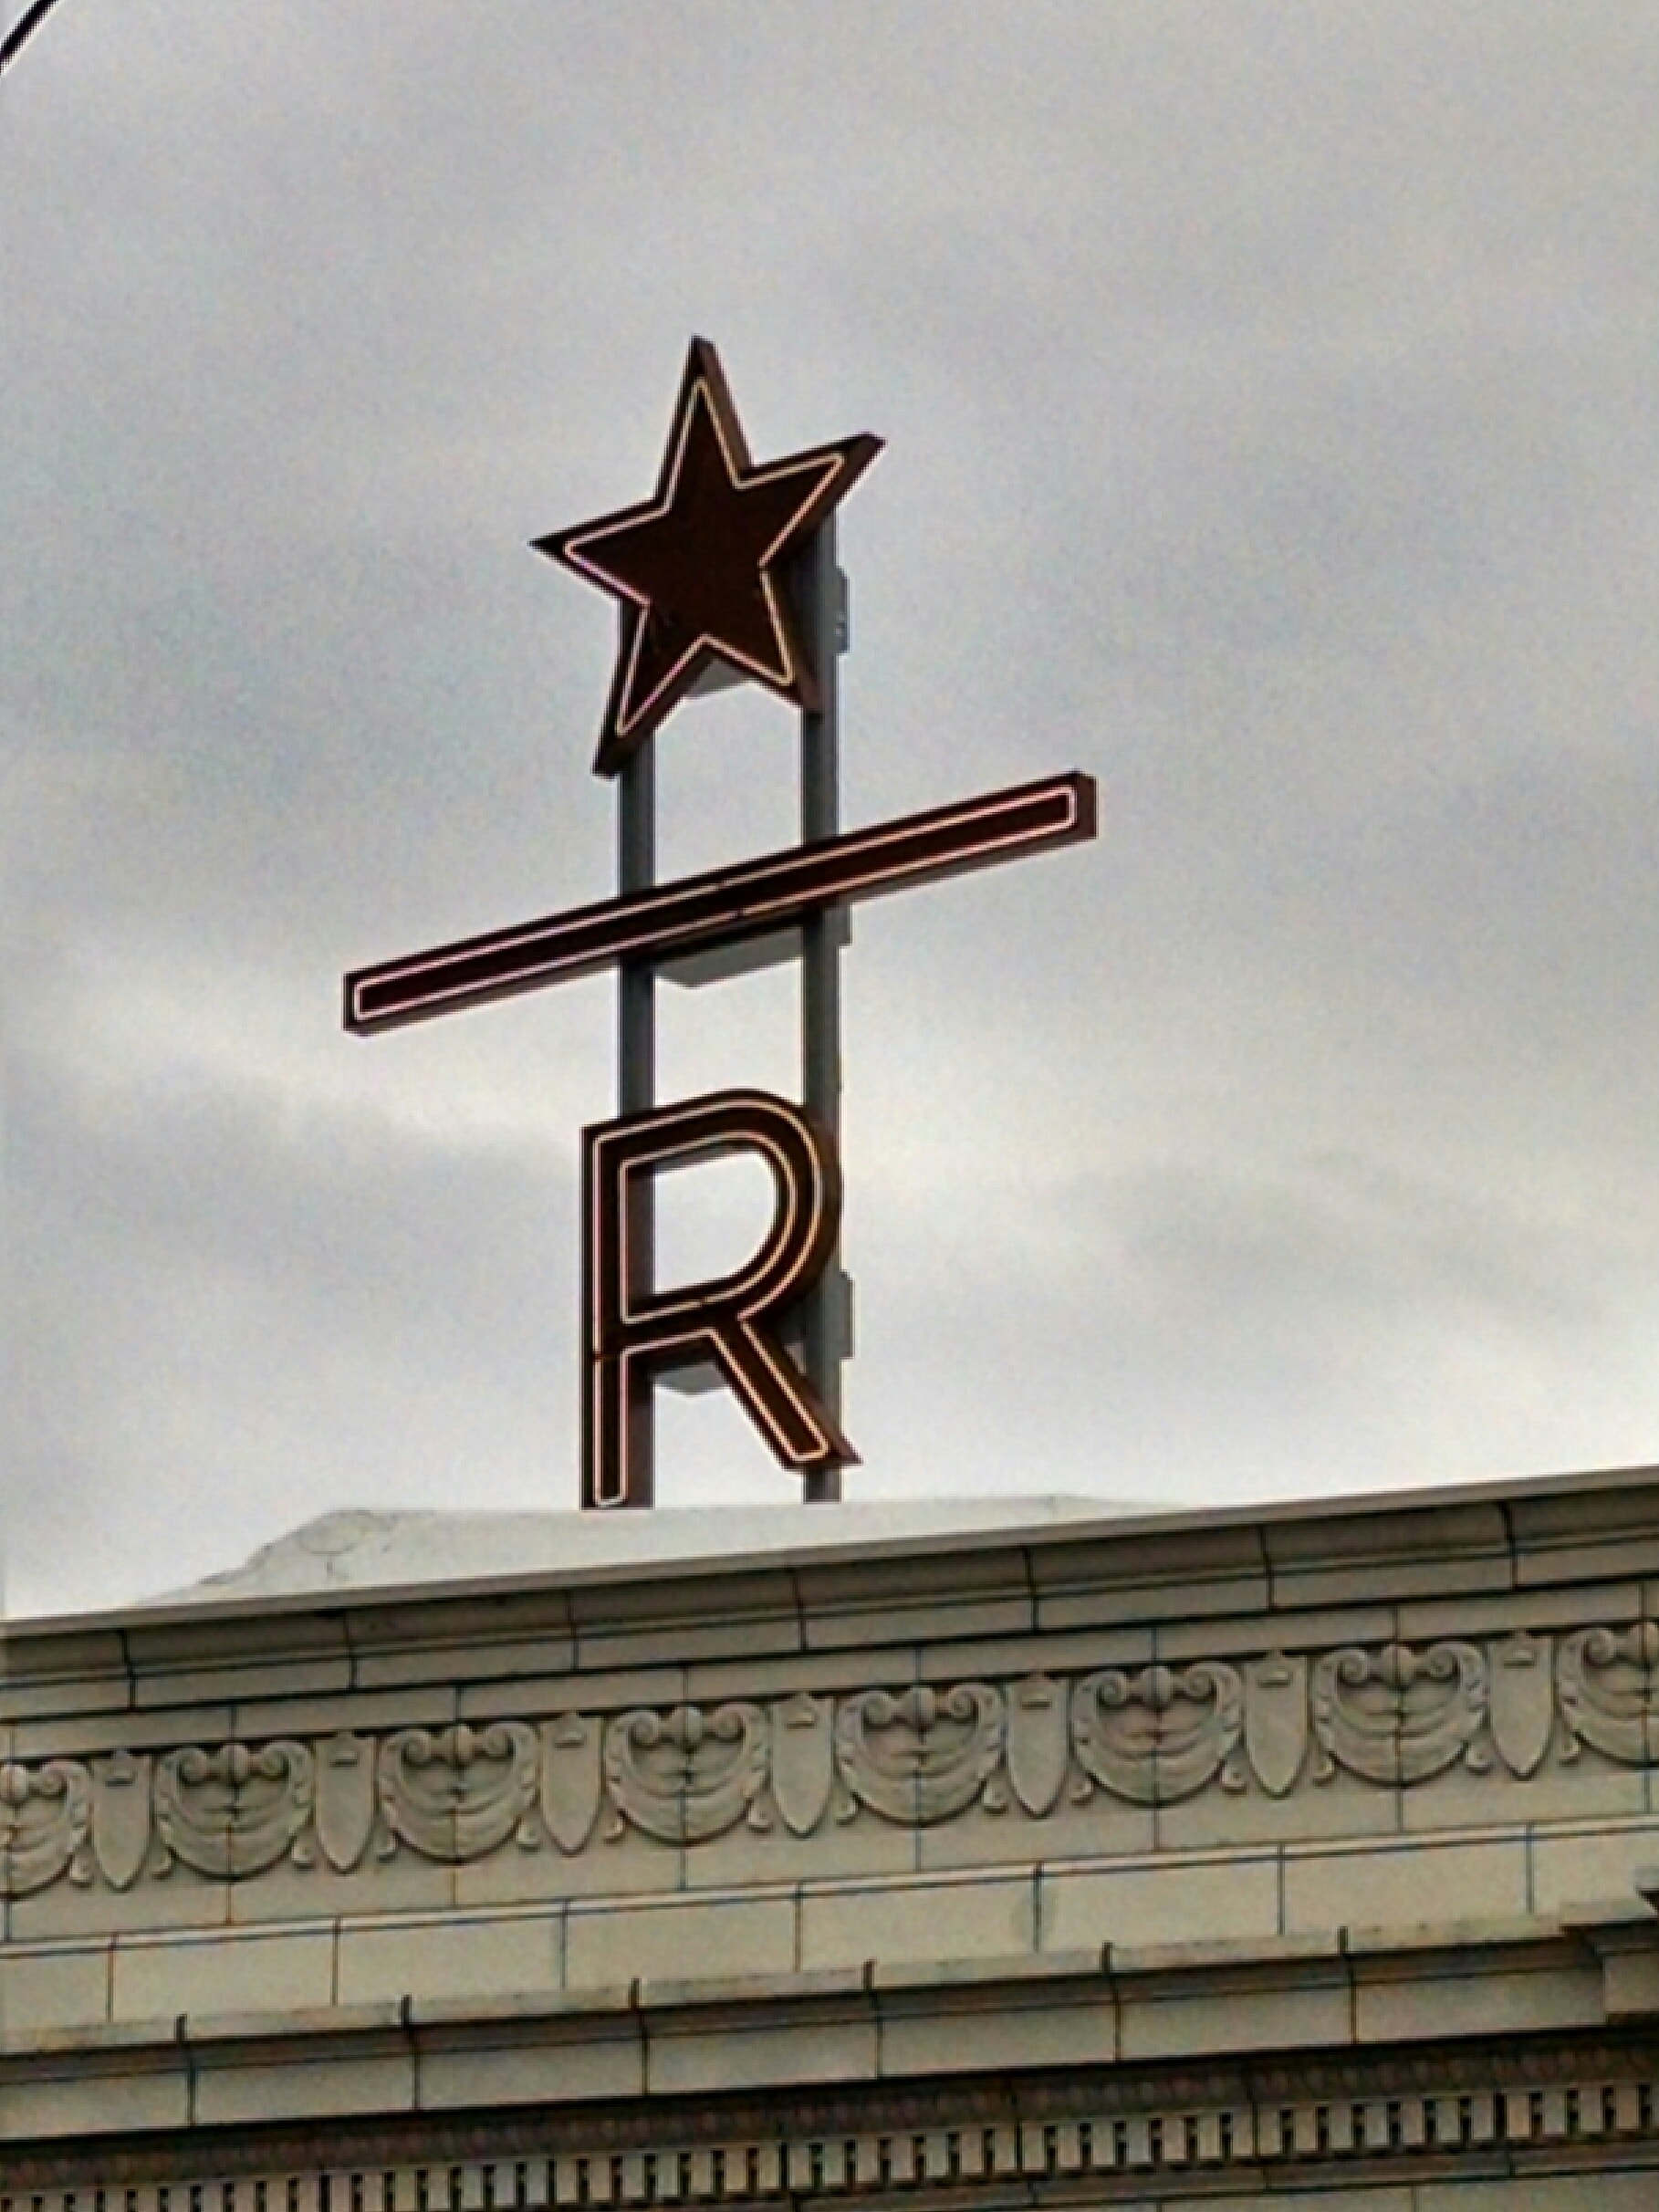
column 635, row 1331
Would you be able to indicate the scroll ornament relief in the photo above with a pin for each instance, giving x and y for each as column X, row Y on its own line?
column 920, row 1755
column 1160, row 1734
column 1389, row 1715
column 46, row 1812
column 1609, row 1686
column 235, row 1811
column 457, row 1793
column 1398, row 1715
column 687, row 1774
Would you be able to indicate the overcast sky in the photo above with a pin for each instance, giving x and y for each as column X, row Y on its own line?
column 1272, row 414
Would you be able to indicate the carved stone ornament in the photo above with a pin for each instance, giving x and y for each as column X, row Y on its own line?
column 1523, row 1700
column 345, row 1798
column 1397, row 1714
column 1160, row 1733
column 687, row 1774
column 1608, row 1682
column 1276, row 1720
column 235, row 1811
column 457, row 1793
column 803, row 1762
column 1040, row 1743
column 920, row 1755
column 573, row 1780
column 45, row 1814
column 120, row 1817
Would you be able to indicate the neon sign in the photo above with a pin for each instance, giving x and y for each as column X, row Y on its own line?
column 726, row 573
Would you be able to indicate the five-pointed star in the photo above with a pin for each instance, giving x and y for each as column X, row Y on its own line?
column 699, row 569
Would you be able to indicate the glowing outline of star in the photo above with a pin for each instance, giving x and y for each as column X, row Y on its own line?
column 833, row 468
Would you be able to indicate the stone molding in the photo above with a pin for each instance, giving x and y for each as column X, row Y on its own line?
column 1562, row 2105
column 1392, row 1715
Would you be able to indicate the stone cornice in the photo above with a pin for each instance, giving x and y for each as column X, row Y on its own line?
column 1183, row 2061
column 1284, row 1558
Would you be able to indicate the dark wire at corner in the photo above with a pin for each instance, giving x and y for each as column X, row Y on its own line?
column 30, row 21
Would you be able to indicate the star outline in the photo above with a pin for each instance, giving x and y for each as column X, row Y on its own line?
column 833, row 467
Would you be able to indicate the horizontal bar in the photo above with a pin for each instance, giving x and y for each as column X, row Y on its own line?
column 726, row 904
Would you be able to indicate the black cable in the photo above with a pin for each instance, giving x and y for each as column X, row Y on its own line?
column 11, row 46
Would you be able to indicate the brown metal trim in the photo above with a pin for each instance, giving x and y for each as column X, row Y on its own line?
column 725, row 905
column 633, row 1332
column 699, row 569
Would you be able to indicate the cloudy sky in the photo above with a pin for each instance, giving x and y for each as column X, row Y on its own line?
column 1273, row 431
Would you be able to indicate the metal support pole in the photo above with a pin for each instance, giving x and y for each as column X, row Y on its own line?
column 821, row 995
column 636, row 870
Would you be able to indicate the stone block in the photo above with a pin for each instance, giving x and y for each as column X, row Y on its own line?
column 158, row 1977
column 548, row 2062
column 89, row 1735
column 1358, row 2196
column 429, row 1705
column 708, row 1938
column 696, row 2055
column 247, row 1654
column 1588, row 1787
column 904, row 1599
column 927, row 2031
column 1537, row 1610
column 610, row 1864
column 1153, row 1574
column 65, row 1986
column 1188, row 1899
column 475, row 1668
column 1629, row 1957
column 1583, row 1865
column 813, row 1674
column 232, row 1683
column 1308, row 1811
column 48, row 1670
column 1567, row 2192
column 75, row 2104
column 534, row 2072
column 1598, row 1527
column 1100, row 1827
column 1295, row 2004
column 1377, row 1886
column 1251, row 1635
column 1386, row 1555
column 545, row 1697
column 182, row 1899
column 317, row 1891
column 1492, row 1990
column 476, row 1634
column 671, row 1619
column 260, row 2085
column 866, row 1847
column 449, row 1956
column 967, row 1917
column 1076, row 1651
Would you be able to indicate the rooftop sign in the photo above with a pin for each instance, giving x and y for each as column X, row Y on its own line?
column 726, row 573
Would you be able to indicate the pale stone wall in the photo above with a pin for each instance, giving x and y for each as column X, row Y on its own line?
column 1135, row 1797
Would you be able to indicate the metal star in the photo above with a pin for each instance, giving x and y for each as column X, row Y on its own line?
column 700, row 568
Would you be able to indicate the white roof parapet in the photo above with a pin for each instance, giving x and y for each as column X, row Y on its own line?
column 363, row 1548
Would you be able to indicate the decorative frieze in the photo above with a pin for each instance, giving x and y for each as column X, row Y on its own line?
column 1393, row 1716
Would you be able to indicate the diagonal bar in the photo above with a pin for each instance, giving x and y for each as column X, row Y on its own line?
column 726, row 904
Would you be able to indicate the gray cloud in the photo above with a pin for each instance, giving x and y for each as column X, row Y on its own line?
column 1271, row 430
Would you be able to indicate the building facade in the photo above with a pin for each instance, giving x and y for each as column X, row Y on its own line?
column 1303, row 1855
